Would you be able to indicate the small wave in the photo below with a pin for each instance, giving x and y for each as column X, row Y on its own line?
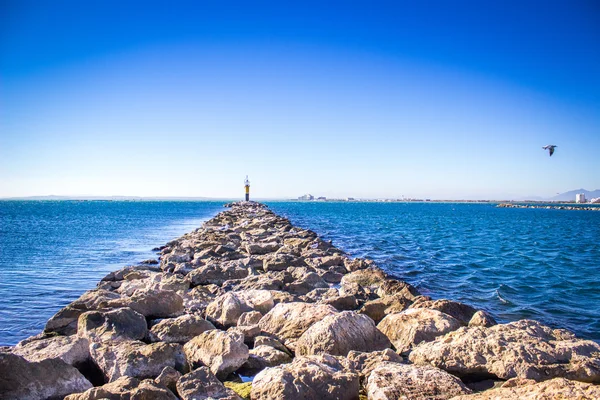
column 502, row 299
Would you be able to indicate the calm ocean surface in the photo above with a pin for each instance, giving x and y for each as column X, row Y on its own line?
column 515, row 263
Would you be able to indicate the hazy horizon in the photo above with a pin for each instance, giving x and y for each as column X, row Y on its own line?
column 444, row 100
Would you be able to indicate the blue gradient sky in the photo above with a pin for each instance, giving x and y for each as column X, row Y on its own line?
column 439, row 99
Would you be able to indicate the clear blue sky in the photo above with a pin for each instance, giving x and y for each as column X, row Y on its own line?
column 439, row 99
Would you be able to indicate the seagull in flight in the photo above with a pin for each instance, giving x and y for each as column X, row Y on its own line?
column 550, row 148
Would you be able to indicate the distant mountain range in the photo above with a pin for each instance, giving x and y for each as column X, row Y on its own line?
column 570, row 196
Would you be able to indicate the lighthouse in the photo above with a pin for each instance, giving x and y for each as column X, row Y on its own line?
column 247, row 186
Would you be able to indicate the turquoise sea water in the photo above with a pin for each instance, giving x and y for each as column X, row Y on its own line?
column 515, row 263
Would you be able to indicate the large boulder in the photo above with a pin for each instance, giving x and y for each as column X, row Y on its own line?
column 340, row 333
column 217, row 273
column 280, row 262
column 121, row 324
column 179, row 330
column 308, row 378
column 364, row 363
column 523, row 349
column 223, row 352
column 152, row 303
column 137, row 359
column 413, row 326
column 377, row 309
column 71, row 349
column 118, row 389
column 528, row 389
column 261, row 357
column 201, row 384
column 288, row 321
column 64, row 322
column 394, row 381
column 226, row 309
column 460, row 311
column 368, row 278
column 52, row 378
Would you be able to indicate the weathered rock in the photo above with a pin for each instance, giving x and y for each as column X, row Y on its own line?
column 51, row 378
column 377, row 309
column 261, row 357
column 309, row 378
column 523, row 349
column 120, row 274
column 71, row 349
column 460, row 311
column 280, row 262
column 179, row 330
column 226, row 309
column 340, row 333
column 364, row 363
column 217, row 273
column 137, row 359
column 266, row 281
column 262, row 248
column 416, row 325
column 272, row 342
column 393, row 287
column 168, row 378
column 306, row 283
column 119, row 389
column 223, row 352
column 150, row 390
column 358, row 264
column 250, row 318
column 528, row 389
column 121, row 324
column 481, row 318
column 342, row 303
column 393, row 381
column 201, row 384
column 152, row 303
column 64, row 322
column 368, row 278
column 288, row 321
column 197, row 299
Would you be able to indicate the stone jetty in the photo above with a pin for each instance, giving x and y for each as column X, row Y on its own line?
column 547, row 207
column 250, row 306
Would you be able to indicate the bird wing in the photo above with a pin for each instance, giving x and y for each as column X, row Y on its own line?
column 551, row 149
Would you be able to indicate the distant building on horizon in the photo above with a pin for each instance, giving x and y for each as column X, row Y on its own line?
column 307, row 196
column 323, row 198
column 580, row 198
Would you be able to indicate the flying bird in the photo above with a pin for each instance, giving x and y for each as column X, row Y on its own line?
column 550, row 148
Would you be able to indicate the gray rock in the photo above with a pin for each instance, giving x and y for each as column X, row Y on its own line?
column 168, row 378
column 262, row 248
column 523, row 349
column 393, row 381
column 460, row 311
column 64, row 322
column 121, row 324
column 261, row 357
column 71, row 349
column 201, row 384
column 288, row 321
column 528, row 389
column 152, row 303
column 377, row 309
column 223, row 352
column 52, row 378
column 340, row 333
column 137, row 359
column 481, row 318
column 179, row 330
column 308, row 378
column 119, row 389
column 226, row 309
column 416, row 325
column 217, row 273
column 364, row 363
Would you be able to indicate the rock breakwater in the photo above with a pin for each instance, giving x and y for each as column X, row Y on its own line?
column 250, row 306
column 547, row 207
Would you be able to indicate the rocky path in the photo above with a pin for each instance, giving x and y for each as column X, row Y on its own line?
column 249, row 306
